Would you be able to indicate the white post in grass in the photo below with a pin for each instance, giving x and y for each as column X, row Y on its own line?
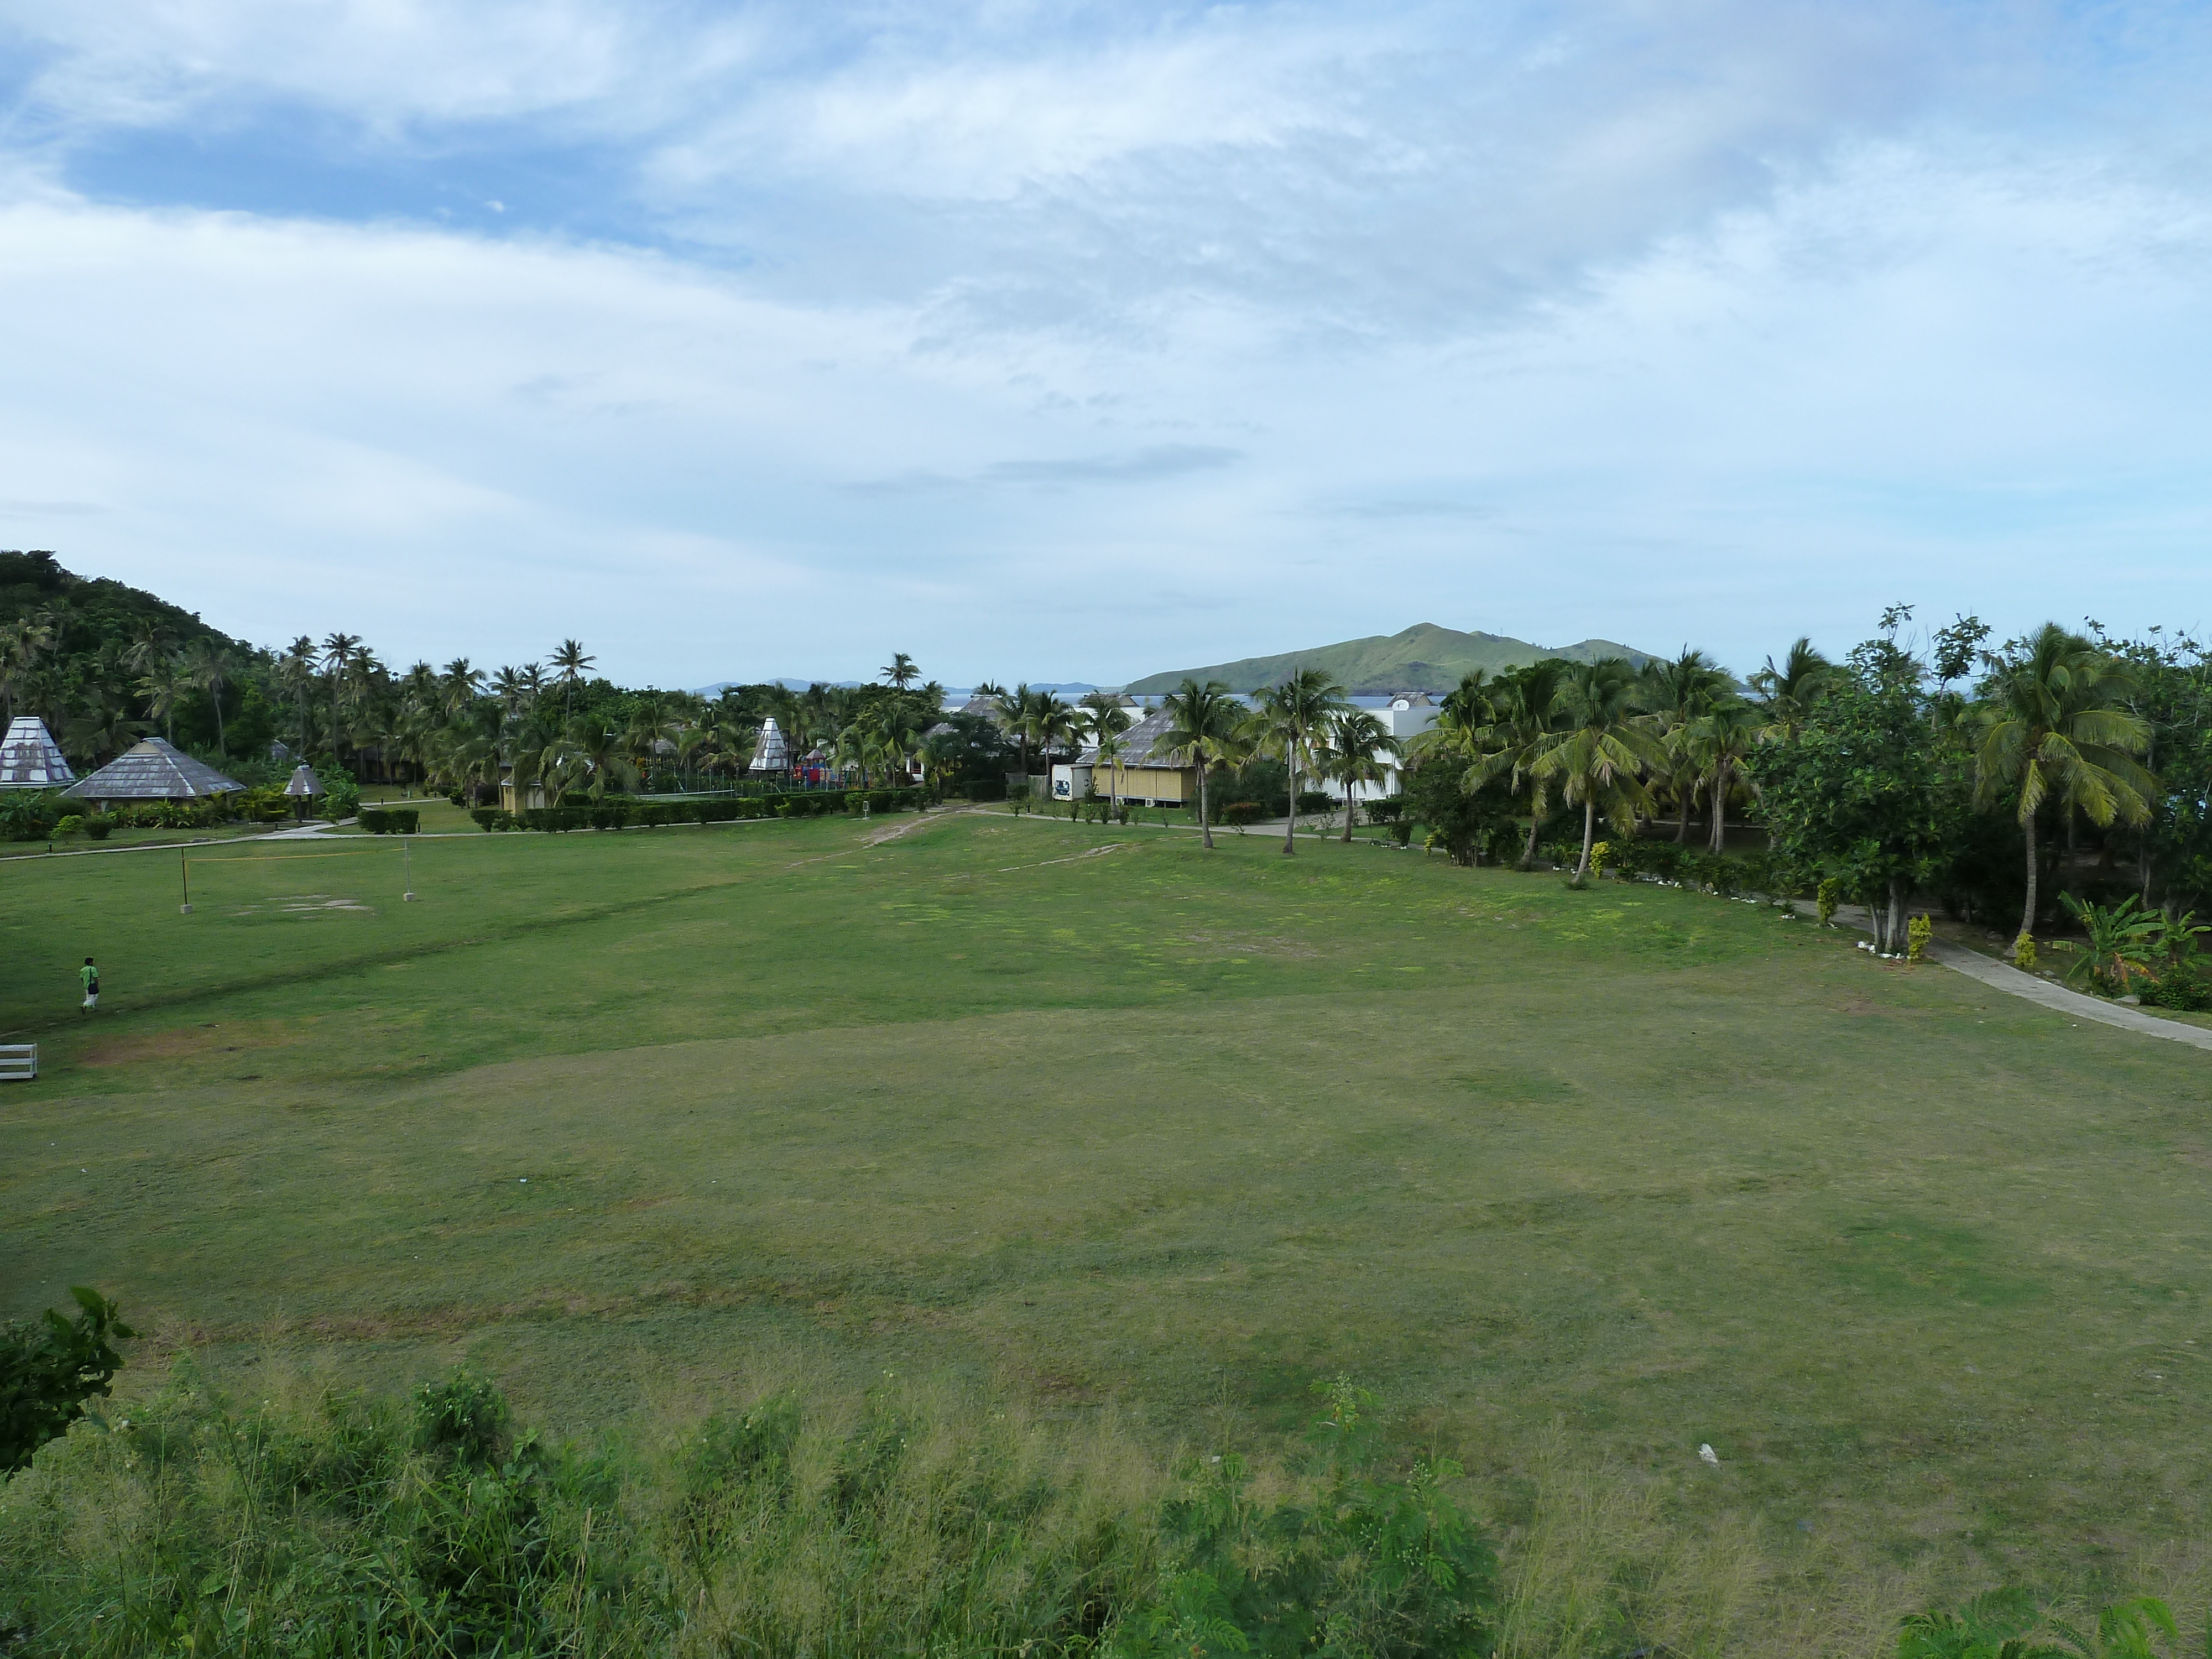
column 407, row 860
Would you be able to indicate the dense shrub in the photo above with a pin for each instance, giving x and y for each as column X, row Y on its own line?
column 1317, row 801
column 390, row 820
column 984, row 789
column 268, row 804
column 488, row 818
column 2183, row 988
column 1386, row 809
column 1238, row 813
column 29, row 814
column 97, row 825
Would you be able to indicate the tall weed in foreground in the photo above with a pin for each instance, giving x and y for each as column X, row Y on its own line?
column 313, row 1521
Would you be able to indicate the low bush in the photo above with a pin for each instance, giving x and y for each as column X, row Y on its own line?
column 29, row 814
column 97, row 826
column 2183, row 988
column 1238, row 813
column 1386, row 809
column 1317, row 801
column 390, row 820
column 488, row 818
column 980, row 789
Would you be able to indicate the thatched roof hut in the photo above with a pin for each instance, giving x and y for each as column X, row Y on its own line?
column 152, row 770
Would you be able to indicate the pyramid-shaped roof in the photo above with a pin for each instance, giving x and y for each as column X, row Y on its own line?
column 30, row 758
column 152, row 770
column 771, row 753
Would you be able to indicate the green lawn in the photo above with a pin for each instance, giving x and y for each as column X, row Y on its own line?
column 1618, row 1171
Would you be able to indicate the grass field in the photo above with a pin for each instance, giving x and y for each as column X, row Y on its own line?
column 1102, row 1117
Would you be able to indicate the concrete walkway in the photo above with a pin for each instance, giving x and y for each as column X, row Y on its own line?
column 2031, row 987
column 2000, row 976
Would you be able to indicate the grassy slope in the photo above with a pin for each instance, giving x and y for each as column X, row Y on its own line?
column 1924, row 1265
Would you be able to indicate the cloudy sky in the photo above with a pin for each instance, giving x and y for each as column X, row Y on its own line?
column 1080, row 342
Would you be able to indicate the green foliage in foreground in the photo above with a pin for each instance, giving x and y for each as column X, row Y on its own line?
column 325, row 1522
column 50, row 1367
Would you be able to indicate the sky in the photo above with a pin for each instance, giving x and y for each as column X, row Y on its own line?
column 1079, row 343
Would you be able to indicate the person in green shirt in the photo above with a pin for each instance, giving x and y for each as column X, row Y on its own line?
column 90, row 975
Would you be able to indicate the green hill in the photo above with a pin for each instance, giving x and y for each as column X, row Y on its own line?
column 1424, row 658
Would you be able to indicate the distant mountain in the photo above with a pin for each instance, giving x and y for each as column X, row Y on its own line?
column 1424, row 658
column 1066, row 688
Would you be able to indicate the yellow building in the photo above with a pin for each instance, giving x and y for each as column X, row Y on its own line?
column 1144, row 774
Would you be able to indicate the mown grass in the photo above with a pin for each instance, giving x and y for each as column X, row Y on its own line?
column 1592, row 1176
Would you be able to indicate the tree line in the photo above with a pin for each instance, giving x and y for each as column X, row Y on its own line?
column 1940, row 766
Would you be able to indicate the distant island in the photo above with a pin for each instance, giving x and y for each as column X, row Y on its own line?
column 1426, row 657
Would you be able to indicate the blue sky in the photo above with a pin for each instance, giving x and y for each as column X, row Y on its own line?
column 1071, row 342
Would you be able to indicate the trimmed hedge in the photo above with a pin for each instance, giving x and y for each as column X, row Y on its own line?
column 390, row 820
column 627, row 812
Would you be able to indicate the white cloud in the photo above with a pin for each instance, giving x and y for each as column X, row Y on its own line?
column 1049, row 341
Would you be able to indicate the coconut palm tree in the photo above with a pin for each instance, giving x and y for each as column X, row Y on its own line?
column 1677, row 693
column 337, row 650
column 1202, row 727
column 1786, row 695
column 295, row 673
column 570, row 663
column 1291, row 721
column 2053, row 721
column 1110, row 751
column 901, row 671
column 1357, row 742
column 1716, row 742
column 1598, row 755
column 103, row 727
column 1525, row 705
column 163, row 687
column 211, row 667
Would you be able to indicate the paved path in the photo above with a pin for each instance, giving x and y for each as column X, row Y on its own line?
column 2000, row 976
column 2030, row 988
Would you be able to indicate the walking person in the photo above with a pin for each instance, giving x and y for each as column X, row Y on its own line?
column 90, row 975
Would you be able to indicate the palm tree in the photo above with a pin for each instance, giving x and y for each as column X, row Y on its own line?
column 1356, row 740
column 1110, row 750
column 1601, row 749
column 104, row 727
column 2052, row 720
column 1718, row 740
column 296, row 673
column 900, row 671
column 211, row 666
column 570, row 663
column 1292, row 720
column 1678, row 694
column 1202, row 722
column 163, row 687
column 1525, row 705
column 1101, row 718
column 1786, row 695
column 1038, row 717
column 337, row 651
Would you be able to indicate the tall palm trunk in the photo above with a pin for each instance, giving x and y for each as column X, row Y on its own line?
column 1682, row 820
column 1204, row 824
column 1720, row 805
column 1291, row 824
column 1589, row 835
column 1348, row 788
column 214, row 696
column 2027, row 912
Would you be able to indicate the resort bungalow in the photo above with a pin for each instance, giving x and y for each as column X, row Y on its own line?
column 1144, row 775
column 30, row 758
column 150, row 771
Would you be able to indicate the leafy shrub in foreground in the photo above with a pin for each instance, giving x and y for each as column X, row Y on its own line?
column 49, row 1367
column 390, row 820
